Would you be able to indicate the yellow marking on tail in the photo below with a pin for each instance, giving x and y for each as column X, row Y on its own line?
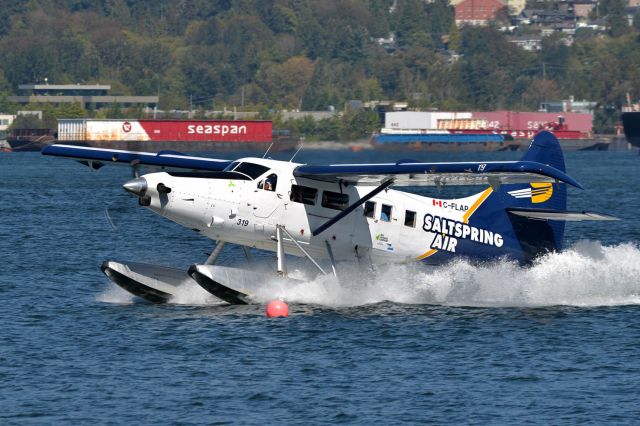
column 541, row 191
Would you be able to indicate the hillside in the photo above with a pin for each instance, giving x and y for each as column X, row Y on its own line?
column 305, row 54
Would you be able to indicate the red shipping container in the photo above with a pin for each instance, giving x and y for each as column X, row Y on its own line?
column 207, row 130
column 533, row 121
column 164, row 130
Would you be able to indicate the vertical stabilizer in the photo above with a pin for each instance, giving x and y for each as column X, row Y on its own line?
column 539, row 236
column 545, row 149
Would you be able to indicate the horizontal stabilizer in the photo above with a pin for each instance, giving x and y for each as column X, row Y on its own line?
column 543, row 214
column 97, row 157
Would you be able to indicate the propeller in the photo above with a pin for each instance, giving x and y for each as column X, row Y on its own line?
column 135, row 168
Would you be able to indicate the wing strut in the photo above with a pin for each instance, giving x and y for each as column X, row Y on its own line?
column 352, row 207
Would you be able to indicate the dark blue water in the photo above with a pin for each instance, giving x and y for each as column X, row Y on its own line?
column 555, row 343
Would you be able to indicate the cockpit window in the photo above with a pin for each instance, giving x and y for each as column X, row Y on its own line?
column 250, row 169
column 231, row 166
column 269, row 183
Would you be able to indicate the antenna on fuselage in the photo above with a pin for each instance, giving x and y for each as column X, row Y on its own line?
column 267, row 151
column 296, row 153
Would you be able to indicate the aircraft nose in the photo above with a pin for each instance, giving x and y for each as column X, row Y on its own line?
column 137, row 186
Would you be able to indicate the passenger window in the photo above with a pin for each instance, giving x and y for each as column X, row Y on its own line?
column 369, row 208
column 385, row 213
column 410, row 219
column 268, row 183
column 335, row 200
column 303, row 194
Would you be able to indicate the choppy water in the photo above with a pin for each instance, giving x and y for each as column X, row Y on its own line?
column 558, row 342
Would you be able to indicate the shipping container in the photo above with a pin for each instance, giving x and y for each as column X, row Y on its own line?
column 462, row 124
column 574, row 130
column 164, row 130
column 524, row 124
column 186, row 135
column 420, row 120
column 527, row 122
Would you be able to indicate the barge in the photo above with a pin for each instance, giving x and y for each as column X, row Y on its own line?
column 158, row 135
column 484, row 131
column 29, row 139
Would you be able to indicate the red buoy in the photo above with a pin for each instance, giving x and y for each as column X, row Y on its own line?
column 277, row 308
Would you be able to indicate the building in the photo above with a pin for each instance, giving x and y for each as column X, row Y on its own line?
column 93, row 96
column 531, row 43
column 477, row 12
column 5, row 122
column 515, row 6
column 569, row 105
column 582, row 8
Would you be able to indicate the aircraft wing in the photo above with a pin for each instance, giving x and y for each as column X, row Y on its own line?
column 436, row 174
column 98, row 157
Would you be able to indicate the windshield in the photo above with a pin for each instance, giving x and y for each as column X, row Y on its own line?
column 249, row 169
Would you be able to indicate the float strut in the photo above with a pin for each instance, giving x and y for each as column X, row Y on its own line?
column 280, row 252
column 214, row 254
column 333, row 260
column 247, row 254
column 283, row 229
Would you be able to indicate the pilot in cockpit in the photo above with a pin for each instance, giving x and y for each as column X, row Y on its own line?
column 269, row 184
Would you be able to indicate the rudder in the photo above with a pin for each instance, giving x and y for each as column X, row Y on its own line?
column 545, row 149
column 539, row 236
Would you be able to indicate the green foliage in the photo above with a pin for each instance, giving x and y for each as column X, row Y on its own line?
column 357, row 124
column 349, row 126
column 636, row 21
column 28, row 121
column 50, row 115
column 617, row 23
column 306, row 54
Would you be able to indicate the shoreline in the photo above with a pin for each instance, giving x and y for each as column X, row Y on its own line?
column 356, row 145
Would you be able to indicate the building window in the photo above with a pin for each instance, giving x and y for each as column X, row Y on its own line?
column 385, row 213
column 410, row 219
column 303, row 194
column 369, row 209
column 335, row 200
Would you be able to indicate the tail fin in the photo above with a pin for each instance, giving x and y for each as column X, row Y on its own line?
column 539, row 236
column 545, row 149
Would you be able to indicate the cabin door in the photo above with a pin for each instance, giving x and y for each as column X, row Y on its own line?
column 267, row 195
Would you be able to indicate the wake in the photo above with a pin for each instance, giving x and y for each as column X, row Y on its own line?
column 587, row 274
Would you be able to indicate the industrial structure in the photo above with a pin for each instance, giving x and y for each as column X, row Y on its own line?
column 92, row 96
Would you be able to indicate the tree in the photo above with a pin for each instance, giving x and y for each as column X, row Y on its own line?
column 617, row 23
column 636, row 21
column 540, row 91
column 286, row 83
column 357, row 124
column 454, row 39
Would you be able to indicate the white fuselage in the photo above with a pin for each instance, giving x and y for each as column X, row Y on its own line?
column 393, row 226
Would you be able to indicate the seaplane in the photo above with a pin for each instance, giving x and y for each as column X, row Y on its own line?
column 339, row 213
